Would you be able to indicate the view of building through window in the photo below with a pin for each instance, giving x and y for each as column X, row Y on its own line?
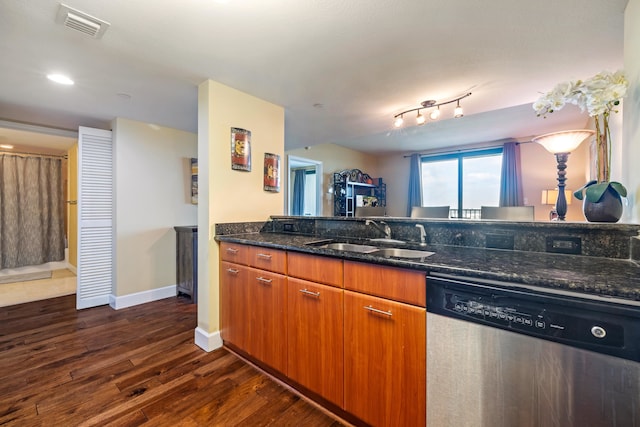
column 462, row 180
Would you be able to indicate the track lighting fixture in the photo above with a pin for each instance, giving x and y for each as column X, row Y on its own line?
column 434, row 114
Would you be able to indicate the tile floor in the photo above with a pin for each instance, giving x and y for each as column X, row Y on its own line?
column 62, row 282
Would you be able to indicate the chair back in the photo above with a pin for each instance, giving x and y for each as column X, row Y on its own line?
column 511, row 213
column 430, row 212
column 370, row 211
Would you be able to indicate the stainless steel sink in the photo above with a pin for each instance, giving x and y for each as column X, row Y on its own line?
column 401, row 253
column 351, row 247
column 385, row 240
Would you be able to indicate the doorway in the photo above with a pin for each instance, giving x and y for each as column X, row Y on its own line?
column 31, row 282
column 304, row 178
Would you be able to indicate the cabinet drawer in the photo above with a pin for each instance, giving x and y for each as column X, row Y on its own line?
column 268, row 259
column 234, row 252
column 316, row 268
column 398, row 284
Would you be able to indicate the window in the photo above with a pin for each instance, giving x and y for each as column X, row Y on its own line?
column 464, row 181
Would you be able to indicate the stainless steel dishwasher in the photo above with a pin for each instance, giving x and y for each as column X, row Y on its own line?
column 504, row 355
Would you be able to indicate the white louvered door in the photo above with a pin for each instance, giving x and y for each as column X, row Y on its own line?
column 95, row 218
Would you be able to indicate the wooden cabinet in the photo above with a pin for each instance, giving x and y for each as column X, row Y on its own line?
column 384, row 361
column 253, row 302
column 352, row 333
column 385, row 344
column 315, row 338
column 234, row 307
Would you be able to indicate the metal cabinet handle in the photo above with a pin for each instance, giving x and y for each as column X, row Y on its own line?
column 310, row 293
column 263, row 280
column 232, row 271
column 375, row 310
column 232, row 250
column 267, row 256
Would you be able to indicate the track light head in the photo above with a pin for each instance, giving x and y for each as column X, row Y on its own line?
column 399, row 121
column 457, row 113
column 420, row 118
column 435, row 114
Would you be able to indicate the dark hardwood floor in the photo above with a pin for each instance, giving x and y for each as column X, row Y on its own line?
column 136, row 366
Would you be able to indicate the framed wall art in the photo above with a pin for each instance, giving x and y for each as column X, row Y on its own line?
column 272, row 172
column 241, row 149
column 194, row 181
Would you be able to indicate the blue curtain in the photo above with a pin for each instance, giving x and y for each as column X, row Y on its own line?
column 415, row 183
column 297, row 202
column 511, row 176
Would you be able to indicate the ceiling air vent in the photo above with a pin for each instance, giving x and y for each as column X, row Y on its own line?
column 80, row 21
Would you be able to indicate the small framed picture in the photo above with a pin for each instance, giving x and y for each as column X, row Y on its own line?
column 194, row 181
column 272, row 172
column 241, row 149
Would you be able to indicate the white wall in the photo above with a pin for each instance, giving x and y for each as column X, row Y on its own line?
column 227, row 195
column 394, row 169
column 630, row 142
column 540, row 172
column 152, row 196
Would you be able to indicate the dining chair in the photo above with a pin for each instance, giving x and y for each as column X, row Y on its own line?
column 430, row 212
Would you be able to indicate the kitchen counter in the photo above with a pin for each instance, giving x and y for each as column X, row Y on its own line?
column 608, row 277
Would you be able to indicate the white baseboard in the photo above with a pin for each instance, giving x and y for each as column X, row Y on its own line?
column 130, row 300
column 208, row 341
column 72, row 268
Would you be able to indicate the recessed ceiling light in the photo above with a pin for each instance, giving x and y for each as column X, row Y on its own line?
column 60, row 78
column 6, row 146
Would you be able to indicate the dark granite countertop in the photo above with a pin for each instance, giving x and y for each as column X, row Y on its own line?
column 584, row 274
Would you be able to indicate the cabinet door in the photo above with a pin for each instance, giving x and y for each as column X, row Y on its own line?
column 234, row 297
column 315, row 331
column 385, row 361
column 267, row 305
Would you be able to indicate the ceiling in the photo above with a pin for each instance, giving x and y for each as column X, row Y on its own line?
column 341, row 69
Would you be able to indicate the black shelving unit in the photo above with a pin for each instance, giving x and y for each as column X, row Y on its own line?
column 350, row 183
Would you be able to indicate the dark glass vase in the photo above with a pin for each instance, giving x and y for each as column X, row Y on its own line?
column 607, row 209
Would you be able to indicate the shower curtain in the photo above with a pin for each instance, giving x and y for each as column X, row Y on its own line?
column 31, row 210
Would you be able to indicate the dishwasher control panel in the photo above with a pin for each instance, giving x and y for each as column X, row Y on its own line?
column 529, row 317
column 583, row 324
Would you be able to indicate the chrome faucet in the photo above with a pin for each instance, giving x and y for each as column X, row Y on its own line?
column 383, row 228
column 423, row 235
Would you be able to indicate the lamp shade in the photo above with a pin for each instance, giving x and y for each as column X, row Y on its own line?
column 563, row 142
column 549, row 197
